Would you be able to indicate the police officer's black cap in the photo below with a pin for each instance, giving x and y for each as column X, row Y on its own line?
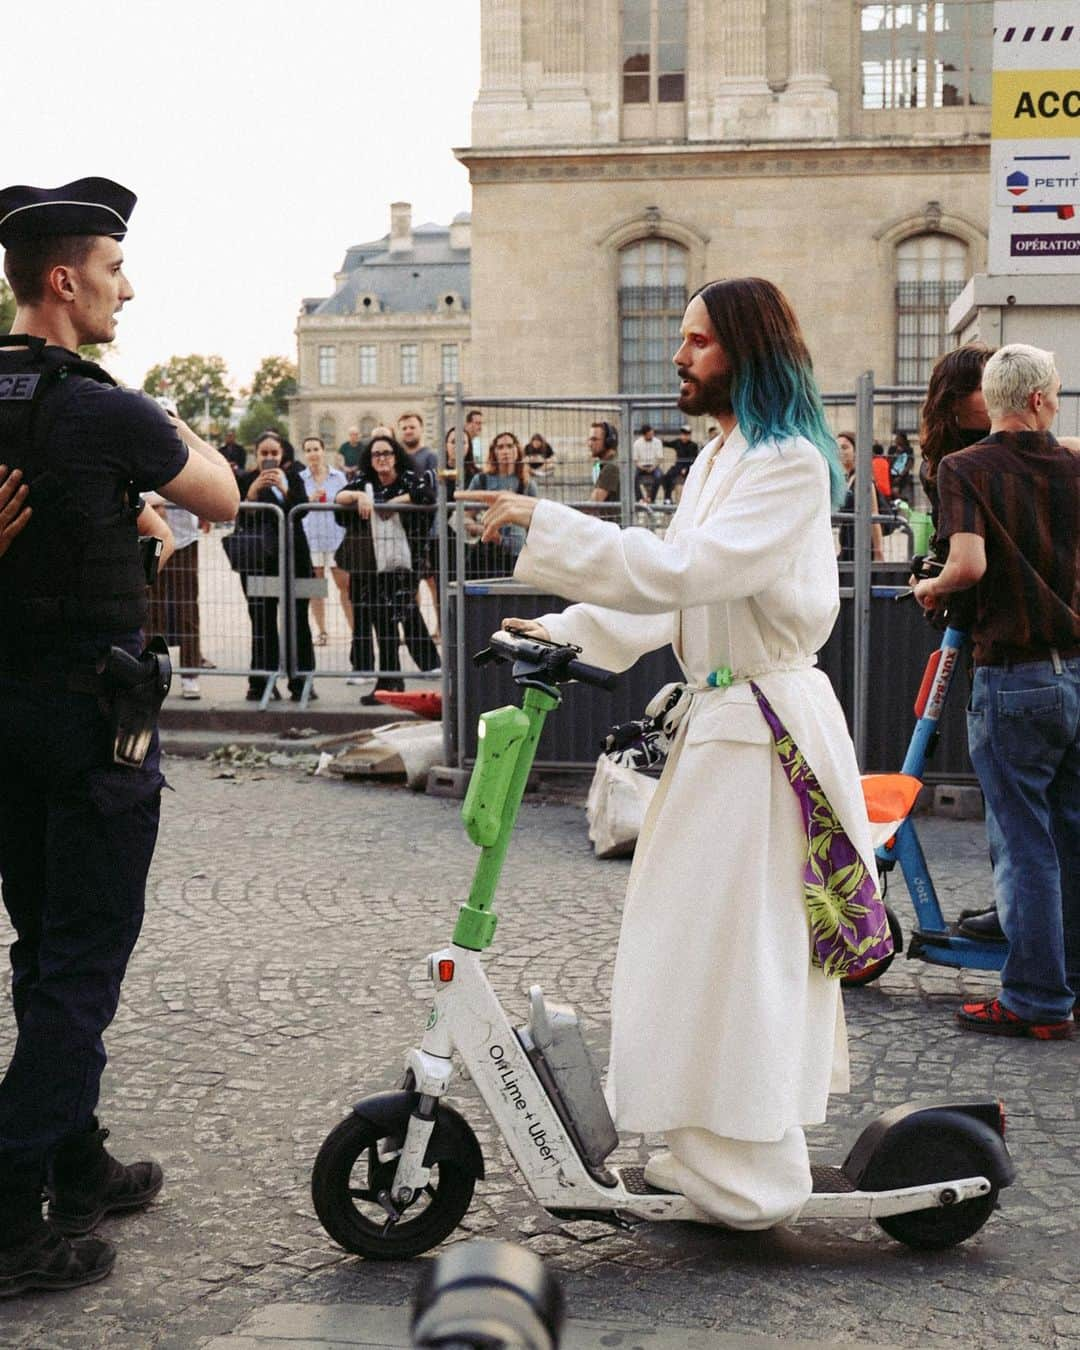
column 86, row 206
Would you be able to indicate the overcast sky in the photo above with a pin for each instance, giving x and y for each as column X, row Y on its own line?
column 262, row 137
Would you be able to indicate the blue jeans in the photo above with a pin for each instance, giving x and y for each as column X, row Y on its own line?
column 1024, row 737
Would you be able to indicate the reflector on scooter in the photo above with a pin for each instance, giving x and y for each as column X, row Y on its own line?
column 446, row 972
column 889, row 798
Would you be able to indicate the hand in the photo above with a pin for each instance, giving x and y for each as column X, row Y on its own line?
column 14, row 514
column 363, row 506
column 503, row 508
column 926, row 592
column 526, row 628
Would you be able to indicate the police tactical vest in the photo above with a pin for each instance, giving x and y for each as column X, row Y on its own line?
column 68, row 573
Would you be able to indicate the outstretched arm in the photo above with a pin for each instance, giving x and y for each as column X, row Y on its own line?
column 741, row 549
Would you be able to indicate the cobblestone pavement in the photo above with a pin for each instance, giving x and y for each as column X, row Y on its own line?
column 280, row 976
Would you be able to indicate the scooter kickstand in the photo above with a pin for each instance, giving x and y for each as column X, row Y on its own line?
column 393, row 1214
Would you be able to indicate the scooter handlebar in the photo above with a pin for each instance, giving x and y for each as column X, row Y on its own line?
column 602, row 679
column 555, row 661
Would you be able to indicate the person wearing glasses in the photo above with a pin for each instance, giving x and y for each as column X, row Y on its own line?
column 387, row 548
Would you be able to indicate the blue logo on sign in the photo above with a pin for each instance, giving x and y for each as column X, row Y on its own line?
column 1017, row 183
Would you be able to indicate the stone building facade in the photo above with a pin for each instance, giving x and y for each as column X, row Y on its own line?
column 625, row 151
column 395, row 327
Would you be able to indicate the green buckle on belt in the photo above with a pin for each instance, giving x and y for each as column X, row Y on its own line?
column 720, row 678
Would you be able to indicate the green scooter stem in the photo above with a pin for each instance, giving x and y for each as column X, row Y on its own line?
column 476, row 922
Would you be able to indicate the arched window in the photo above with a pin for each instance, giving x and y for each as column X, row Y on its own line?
column 368, row 425
column 328, row 431
column 931, row 270
column 652, row 298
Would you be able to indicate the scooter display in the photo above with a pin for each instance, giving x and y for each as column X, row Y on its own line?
column 397, row 1175
column 890, row 800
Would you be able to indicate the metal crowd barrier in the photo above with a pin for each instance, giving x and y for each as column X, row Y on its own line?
column 224, row 620
column 372, row 592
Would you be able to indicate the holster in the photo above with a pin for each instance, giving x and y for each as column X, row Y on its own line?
column 132, row 690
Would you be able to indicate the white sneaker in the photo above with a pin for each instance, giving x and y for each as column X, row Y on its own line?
column 661, row 1173
column 189, row 687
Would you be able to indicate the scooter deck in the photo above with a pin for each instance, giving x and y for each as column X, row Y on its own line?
column 827, row 1181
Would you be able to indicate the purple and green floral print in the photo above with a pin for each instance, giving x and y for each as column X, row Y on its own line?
column 849, row 927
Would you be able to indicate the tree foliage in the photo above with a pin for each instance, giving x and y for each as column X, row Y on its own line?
column 275, row 382
column 260, row 416
column 7, row 308
column 187, row 380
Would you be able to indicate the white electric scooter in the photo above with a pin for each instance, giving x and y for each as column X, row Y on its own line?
column 397, row 1175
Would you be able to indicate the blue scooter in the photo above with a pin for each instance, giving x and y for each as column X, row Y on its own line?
column 890, row 799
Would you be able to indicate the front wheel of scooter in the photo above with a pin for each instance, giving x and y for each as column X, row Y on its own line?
column 356, row 1162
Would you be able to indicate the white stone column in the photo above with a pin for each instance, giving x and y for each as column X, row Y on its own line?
column 741, row 97
column 564, row 43
column 699, row 68
column 500, row 48
column 806, row 45
column 567, row 112
column 740, row 50
column 500, row 110
column 809, row 106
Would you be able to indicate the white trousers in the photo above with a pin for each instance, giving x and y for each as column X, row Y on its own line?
column 743, row 1183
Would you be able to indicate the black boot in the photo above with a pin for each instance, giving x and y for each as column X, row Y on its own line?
column 982, row 924
column 88, row 1183
column 33, row 1255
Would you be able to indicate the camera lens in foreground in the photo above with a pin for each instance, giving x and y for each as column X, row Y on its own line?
column 488, row 1293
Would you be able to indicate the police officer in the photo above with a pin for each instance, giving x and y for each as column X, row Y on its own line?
column 78, row 810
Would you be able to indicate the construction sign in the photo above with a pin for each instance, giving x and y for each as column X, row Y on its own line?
column 1035, row 129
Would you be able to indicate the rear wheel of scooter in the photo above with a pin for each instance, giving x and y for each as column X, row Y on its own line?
column 940, row 1157
column 355, row 1163
column 875, row 972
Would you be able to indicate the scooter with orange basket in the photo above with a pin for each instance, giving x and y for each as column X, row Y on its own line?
column 890, row 801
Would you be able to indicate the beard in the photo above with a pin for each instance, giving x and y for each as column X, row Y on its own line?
column 711, row 396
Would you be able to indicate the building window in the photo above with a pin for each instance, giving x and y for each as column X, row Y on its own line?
column 931, row 270
column 328, row 365
column 368, row 425
column 369, row 366
column 451, row 366
column 931, row 55
column 653, row 68
column 652, row 299
column 328, row 431
column 410, row 363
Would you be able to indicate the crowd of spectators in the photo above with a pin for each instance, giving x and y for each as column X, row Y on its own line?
column 381, row 566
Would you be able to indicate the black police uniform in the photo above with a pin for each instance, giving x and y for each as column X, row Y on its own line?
column 77, row 830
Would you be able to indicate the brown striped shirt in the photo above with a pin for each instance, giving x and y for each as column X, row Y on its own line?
column 1019, row 490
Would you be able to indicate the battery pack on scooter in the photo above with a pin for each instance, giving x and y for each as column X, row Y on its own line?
column 556, row 1048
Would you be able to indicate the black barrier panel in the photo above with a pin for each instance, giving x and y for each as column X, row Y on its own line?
column 901, row 641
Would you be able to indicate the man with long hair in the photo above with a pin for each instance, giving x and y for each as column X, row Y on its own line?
column 714, row 963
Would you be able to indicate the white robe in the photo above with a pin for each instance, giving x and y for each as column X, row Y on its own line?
column 719, row 1021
